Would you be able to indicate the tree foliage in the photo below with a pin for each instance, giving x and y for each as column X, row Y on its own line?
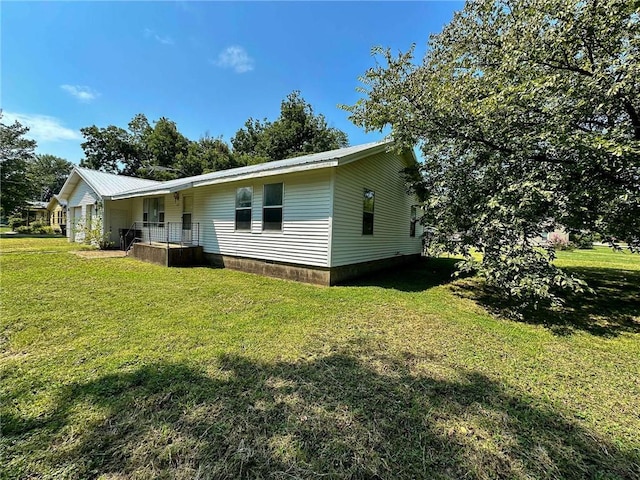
column 158, row 152
column 161, row 152
column 207, row 155
column 528, row 116
column 16, row 152
column 108, row 149
column 297, row 131
column 47, row 174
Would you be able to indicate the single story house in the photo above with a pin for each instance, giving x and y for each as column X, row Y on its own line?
column 87, row 194
column 320, row 218
column 57, row 214
column 36, row 211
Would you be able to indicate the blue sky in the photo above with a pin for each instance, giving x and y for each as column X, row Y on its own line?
column 208, row 66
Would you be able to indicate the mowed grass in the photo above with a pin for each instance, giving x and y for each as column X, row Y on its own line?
column 113, row 368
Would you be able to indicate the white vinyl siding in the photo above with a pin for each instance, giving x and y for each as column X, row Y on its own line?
column 117, row 216
column 392, row 216
column 304, row 238
column 82, row 198
column 82, row 195
column 322, row 215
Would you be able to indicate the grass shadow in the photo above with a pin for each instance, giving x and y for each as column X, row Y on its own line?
column 614, row 309
column 334, row 417
column 30, row 235
column 417, row 276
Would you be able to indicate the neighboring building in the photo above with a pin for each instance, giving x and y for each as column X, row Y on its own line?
column 556, row 235
column 320, row 218
column 36, row 212
column 57, row 214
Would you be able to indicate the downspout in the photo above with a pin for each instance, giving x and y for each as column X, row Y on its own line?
column 332, row 183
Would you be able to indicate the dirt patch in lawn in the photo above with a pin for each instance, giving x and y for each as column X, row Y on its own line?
column 100, row 253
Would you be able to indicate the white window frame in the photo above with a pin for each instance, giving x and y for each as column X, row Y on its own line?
column 272, row 207
column 365, row 212
column 146, row 207
column 250, row 208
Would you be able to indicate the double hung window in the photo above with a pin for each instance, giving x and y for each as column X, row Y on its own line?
column 153, row 212
column 367, row 212
column 414, row 220
column 272, row 207
column 244, row 197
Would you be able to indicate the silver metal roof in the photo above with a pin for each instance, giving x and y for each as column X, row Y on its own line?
column 108, row 184
column 306, row 162
column 37, row 204
column 104, row 184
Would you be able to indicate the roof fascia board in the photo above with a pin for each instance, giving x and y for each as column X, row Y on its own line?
column 68, row 182
column 123, row 196
column 260, row 174
column 366, row 153
column 93, row 187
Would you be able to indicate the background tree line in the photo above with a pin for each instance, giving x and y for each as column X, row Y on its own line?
column 159, row 151
column 25, row 176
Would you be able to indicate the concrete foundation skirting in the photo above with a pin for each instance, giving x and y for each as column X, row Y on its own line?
column 172, row 256
column 300, row 273
column 355, row 270
column 307, row 274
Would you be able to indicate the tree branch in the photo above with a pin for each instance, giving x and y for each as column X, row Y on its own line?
column 635, row 119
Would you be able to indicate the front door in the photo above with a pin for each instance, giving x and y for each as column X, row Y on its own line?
column 187, row 205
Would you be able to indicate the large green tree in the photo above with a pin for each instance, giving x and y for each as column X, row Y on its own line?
column 47, row 174
column 206, row 155
column 528, row 116
column 109, row 149
column 16, row 151
column 157, row 151
column 297, row 131
column 142, row 150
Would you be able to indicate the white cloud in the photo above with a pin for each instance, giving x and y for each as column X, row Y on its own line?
column 42, row 128
column 84, row 94
column 164, row 40
column 236, row 58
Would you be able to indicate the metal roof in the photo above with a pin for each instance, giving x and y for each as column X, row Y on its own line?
column 104, row 184
column 107, row 184
column 110, row 186
column 307, row 162
column 37, row 204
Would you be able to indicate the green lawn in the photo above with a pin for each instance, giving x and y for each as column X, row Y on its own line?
column 112, row 368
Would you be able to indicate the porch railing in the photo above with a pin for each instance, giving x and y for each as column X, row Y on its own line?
column 169, row 233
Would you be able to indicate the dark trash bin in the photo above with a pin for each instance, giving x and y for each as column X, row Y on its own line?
column 127, row 237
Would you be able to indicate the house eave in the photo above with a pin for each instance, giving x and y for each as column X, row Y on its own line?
column 267, row 173
column 227, row 179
